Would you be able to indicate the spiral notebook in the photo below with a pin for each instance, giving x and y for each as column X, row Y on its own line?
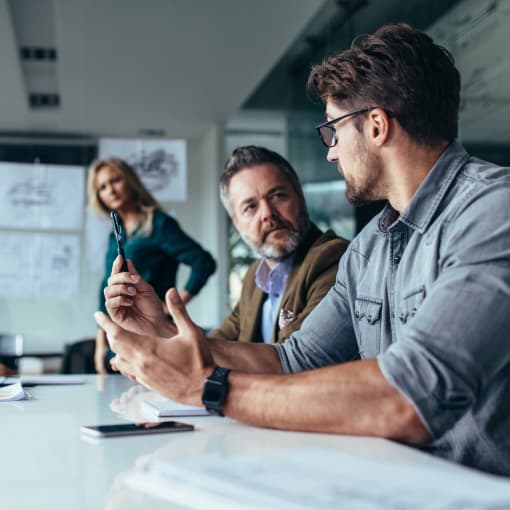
column 169, row 408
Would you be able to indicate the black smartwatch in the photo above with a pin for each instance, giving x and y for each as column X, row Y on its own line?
column 215, row 391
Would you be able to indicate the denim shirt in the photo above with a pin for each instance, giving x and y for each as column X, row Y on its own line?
column 427, row 293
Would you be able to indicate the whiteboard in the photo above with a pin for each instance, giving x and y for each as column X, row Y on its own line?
column 161, row 164
column 41, row 196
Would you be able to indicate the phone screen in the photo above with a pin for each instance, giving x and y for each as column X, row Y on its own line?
column 129, row 429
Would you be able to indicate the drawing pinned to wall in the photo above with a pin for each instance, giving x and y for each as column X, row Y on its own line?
column 41, row 196
column 161, row 164
column 39, row 266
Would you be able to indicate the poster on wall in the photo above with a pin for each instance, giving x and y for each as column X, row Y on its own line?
column 39, row 196
column 39, row 266
column 161, row 164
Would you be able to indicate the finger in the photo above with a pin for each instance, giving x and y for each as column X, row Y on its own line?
column 119, row 276
column 126, row 278
column 113, row 364
column 108, row 326
column 117, row 265
column 178, row 310
column 131, row 267
column 124, row 368
column 118, row 307
column 119, row 290
column 121, row 341
column 103, row 321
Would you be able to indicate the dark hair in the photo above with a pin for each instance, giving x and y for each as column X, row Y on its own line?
column 251, row 155
column 401, row 70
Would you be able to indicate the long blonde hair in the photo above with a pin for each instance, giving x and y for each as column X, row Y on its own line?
column 140, row 195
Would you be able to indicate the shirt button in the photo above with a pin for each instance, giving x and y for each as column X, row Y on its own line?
column 396, row 259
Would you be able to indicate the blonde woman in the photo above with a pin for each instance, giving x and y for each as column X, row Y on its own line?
column 152, row 240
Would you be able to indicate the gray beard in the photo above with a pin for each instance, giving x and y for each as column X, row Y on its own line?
column 267, row 251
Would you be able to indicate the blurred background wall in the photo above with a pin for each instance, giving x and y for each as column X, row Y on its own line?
column 215, row 74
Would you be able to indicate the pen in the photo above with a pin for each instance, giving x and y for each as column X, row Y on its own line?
column 117, row 231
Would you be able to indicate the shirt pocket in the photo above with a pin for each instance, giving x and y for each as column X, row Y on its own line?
column 410, row 304
column 367, row 311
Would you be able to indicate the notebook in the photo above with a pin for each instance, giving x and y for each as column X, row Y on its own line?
column 51, row 379
column 169, row 408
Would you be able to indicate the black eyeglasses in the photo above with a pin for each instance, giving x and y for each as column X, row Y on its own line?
column 327, row 131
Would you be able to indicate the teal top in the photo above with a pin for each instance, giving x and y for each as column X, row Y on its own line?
column 158, row 255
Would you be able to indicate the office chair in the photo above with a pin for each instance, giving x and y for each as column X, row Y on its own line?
column 11, row 350
column 79, row 357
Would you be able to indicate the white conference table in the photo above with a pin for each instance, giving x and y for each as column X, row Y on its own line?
column 46, row 464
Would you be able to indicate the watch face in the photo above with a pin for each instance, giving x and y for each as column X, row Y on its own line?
column 214, row 391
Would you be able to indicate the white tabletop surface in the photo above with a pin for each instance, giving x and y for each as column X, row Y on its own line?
column 46, row 464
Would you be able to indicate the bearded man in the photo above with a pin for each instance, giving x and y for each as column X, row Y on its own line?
column 263, row 196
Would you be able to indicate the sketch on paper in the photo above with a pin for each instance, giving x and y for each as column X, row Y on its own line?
column 156, row 168
column 41, row 196
column 39, row 266
column 29, row 193
column 161, row 164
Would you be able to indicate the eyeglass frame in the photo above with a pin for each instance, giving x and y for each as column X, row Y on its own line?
column 329, row 123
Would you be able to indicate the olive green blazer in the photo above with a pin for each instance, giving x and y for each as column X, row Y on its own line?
column 312, row 274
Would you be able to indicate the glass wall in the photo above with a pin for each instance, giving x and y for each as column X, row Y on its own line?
column 475, row 32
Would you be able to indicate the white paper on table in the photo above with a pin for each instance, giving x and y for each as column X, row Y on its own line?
column 37, row 266
column 318, row 478
column 170, row 408
column 41, row 196
column 12, row 392
column 48, row 379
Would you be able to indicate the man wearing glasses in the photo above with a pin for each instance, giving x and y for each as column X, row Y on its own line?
column 412, row 342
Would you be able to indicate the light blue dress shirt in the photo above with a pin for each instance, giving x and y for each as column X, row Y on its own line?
column 273, row 283
column 427, row 293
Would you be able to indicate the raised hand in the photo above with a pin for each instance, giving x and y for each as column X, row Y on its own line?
column 175, row 367
column 133, row 304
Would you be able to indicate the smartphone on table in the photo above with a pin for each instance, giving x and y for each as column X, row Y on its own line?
column 135, row 429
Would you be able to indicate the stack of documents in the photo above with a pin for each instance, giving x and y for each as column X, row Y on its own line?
column 51, row 379
column 318, row 478
column 12, row 392
column 11, row 388
column 163, row 408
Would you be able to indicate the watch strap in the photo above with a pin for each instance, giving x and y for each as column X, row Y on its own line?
column 215, row 391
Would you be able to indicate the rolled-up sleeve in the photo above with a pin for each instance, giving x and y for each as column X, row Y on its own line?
column 326, row 336
column 458, row 340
